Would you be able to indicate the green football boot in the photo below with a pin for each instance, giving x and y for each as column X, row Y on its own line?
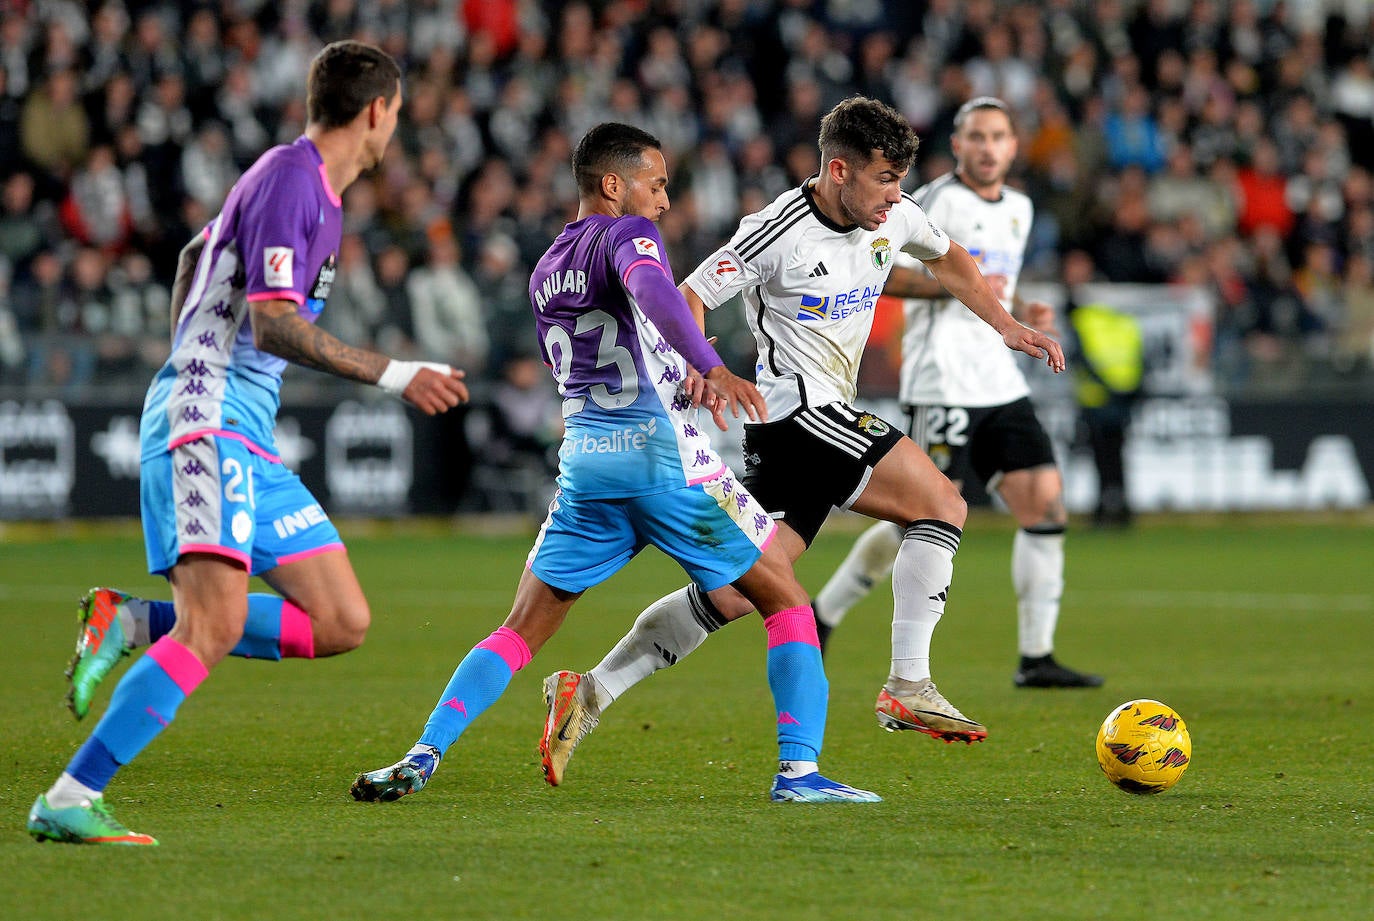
column 100, row 645
column 388, row 784
column 92, row 823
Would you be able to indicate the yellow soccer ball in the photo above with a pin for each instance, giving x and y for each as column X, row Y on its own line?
column 1144, row 746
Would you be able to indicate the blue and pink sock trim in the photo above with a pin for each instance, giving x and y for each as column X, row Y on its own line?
column 797, row 679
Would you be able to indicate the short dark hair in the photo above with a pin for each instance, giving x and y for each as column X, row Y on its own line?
column 344, row 79
column 859, row 125
column 982, row 103
column 610, row 147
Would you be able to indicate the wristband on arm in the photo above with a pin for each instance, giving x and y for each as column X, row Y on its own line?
column 398, row 374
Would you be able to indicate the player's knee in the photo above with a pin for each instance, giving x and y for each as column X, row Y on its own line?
column 952, row 507
column 353, row 622
column 210, row 635
column 1055, row 515
column 341, row 627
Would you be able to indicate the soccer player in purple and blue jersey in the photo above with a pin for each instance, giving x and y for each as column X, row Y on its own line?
column 213, row 486
column 635, row 469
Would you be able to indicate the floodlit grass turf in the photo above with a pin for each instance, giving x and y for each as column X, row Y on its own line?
column 1259, row 631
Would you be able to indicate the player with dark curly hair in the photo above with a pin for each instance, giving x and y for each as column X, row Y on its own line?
column 810, row 268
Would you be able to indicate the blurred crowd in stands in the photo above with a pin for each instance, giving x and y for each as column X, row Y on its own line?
column 1224, row 144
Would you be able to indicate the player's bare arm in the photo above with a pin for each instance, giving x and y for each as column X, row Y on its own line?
column 959, row 274
column 909, row 282
column 694, row 386
column 694, row 304
column 278, row 329
column 186, row 273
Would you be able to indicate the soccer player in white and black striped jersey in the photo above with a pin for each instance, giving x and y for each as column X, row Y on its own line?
column 810, row 267
column 967, row 403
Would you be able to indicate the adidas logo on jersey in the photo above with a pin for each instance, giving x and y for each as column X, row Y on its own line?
column 819, row 271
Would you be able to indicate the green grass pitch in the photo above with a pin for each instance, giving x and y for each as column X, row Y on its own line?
column 1259, row 631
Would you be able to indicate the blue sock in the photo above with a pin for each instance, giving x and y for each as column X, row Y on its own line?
column 797, row 680
column 93, row 764
column 477, row 682
column 162, row 617
column 144, row 703
column 261, row 634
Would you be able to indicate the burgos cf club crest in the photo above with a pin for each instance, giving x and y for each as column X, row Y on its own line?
column 873, row 425
column 881, row 252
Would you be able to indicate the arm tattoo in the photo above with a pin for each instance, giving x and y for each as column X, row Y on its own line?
column 279, row 330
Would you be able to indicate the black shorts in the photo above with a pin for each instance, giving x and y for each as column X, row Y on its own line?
column 818, row 458
column 982, row 441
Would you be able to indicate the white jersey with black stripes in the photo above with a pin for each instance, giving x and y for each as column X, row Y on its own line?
column 809, row 288
column 950, row 357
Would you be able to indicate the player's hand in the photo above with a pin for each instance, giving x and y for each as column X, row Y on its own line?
column 998, row 284
column 726, row 390
column 694, row 385
column 1040, row 315
column 1036, row 345
column 433, row 392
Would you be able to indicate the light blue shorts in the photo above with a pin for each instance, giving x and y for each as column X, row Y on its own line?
column 217, row 495
column 714, row 530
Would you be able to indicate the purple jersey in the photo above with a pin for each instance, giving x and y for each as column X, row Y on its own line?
column 276, row 238
column 611, row 326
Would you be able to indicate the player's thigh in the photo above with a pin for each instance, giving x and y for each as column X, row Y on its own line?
column 714, row 530
column 325, row 586
column 583, row 542
column 906, row 486
column 300, row 554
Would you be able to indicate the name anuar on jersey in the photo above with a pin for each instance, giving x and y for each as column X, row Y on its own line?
column 838, row 306
column 572, row 280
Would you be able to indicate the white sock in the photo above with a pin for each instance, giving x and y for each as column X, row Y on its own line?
column 797, row 768
column 869, row 561
column 421, row 748
column 667, row 630
column 68, row 791
column 133, row 617
column 920, row 583
column 1037, row 574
